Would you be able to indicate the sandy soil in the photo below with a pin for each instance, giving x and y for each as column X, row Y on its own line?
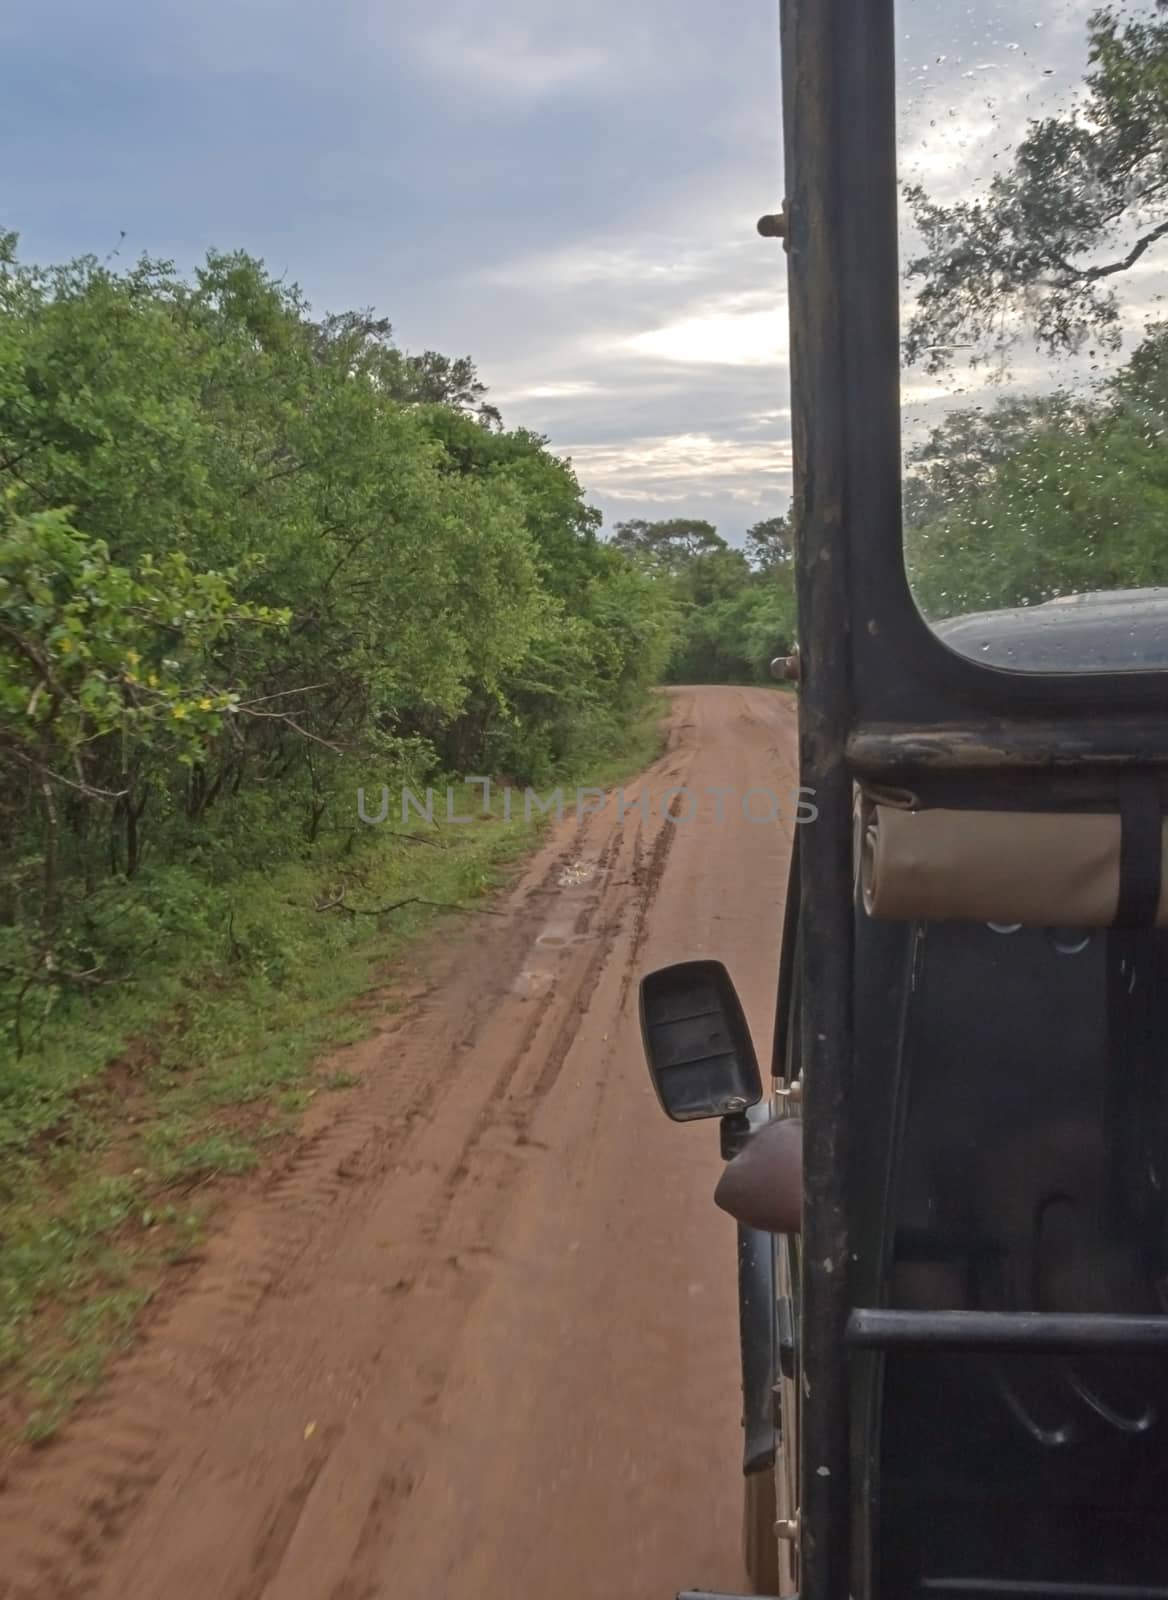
column 477, row 1339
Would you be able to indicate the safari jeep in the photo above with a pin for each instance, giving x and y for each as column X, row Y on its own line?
column 955, row 1377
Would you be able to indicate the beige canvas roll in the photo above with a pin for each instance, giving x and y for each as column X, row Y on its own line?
column 1038, row 869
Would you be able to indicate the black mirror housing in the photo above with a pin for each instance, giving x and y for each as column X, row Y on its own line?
column 698, row 1046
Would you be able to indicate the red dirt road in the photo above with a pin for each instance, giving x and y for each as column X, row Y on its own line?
column 477, row 1339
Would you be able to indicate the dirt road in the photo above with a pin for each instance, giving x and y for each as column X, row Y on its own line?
column 477, row 1340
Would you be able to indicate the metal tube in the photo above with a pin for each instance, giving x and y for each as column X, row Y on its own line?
column 1015, row 1332
column 1039, row 1589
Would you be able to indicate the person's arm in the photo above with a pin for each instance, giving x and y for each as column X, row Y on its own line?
column 763, row 1186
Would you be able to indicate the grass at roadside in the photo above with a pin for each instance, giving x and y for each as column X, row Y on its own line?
column 117, row 1133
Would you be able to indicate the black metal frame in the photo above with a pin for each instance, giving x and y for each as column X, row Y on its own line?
column 813, row 123
column 1019, row 1332
column 881, row 696
column 759, row 1339
column 840, row 136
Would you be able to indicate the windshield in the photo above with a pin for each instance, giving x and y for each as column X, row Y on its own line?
column 1033, row 164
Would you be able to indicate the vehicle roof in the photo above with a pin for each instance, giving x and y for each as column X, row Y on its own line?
column 1120, row 630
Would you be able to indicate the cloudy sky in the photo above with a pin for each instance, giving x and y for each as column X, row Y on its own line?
column 567, row 194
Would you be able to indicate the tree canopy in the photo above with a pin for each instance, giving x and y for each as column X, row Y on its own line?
column 1082, row 201
column 736, row 608
column 1041, row 497
column 251, row 558
column 1050, row 492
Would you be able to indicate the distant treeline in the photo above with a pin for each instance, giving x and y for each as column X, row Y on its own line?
column 1046, row 495
column 736, row 608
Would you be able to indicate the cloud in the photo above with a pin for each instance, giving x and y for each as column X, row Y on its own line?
column 666, row 461
column 965, row 102
column 190, row 40
column 601, row 263
column 569, row 390
column 510, row 62
column 731, row 482
column 719, row 338
column 566, row 194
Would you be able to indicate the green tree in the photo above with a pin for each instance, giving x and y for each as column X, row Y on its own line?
column 733, row 611
column 1028, row 502
column 1081, row 203
column 246, row 551
column 962, row 454
column 366, row 342
column 770, row 545
column 671, row 544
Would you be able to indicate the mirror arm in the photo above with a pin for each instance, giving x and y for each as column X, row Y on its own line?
column 735, row 1129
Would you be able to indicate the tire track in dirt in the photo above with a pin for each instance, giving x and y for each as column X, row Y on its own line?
column 188, row 1352
column 310, row 1419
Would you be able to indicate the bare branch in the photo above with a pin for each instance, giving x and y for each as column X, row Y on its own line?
column 1093, row 274
column 32, row 765
column 10, row 463
column 290, row 722
column 31, row 654
column 338, row 904
column 283, row 694
column 50, row 974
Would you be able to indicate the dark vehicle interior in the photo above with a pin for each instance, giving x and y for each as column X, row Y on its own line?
column 1026, row 1173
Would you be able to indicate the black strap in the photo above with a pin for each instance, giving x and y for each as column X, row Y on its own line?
column 1140, row 852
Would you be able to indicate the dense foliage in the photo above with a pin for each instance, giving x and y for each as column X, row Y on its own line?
column 1046, row 496
column 250, row 560
column 737, row 608
column 1051, row 493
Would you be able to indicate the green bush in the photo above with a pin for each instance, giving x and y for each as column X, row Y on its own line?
column 248, row 558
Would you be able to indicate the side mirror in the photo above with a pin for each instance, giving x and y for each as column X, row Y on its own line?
column 700, row 1054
